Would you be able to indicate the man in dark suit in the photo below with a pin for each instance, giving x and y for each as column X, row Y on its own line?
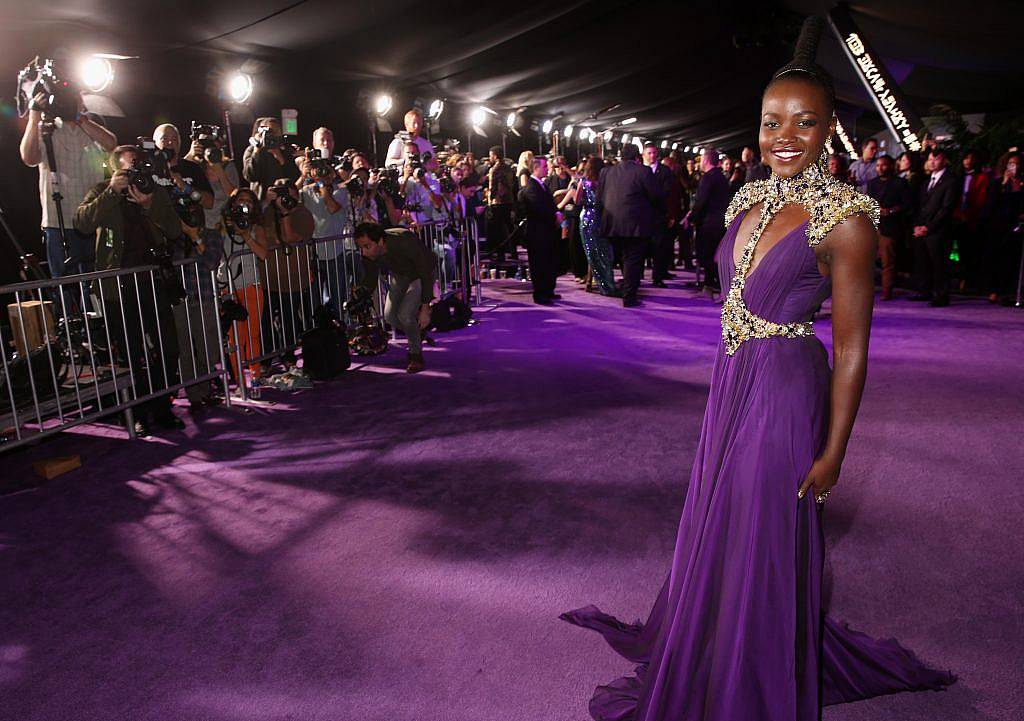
column 708, row 214
column 542, row 233
column 630, row 197
column 932, row 230
column 661, row 243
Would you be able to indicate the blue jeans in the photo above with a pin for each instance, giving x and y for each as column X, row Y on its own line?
column 82, row 248
column 83, row 260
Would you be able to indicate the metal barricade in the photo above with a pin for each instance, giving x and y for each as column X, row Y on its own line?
column 280, row 289
column 80, row 348
column 455, row 245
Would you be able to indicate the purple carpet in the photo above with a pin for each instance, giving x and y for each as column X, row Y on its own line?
column 398, row 548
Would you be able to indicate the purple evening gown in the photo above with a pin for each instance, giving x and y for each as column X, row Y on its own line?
column 738, row 632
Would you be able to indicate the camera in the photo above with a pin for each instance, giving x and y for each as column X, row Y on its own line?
column 237, row 216
column 319, row 166
column 387, row 180
column 208, row 137
column 355, row 187
column 447, row 183
column 267, row 139
column 361, row 302
column 62, row 93
column 288, row 201
column 150, row 168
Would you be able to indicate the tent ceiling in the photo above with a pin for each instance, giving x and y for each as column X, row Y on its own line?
column 688, row 70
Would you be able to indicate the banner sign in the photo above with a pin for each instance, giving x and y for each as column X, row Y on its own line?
column 886, row 94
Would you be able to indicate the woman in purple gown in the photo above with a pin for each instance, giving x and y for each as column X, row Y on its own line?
column 738, row 632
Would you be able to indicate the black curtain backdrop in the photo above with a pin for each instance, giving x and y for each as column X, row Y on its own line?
column 691, row 72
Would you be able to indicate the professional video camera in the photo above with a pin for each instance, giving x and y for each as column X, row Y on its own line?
column 151, row 166
column 208, row 136
column 45, row 76
column 288, row 201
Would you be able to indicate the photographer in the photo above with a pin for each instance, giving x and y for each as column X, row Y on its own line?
column 370, row 193
column 207, row 151
column 413, row 125
column 243, row 222
column 421, row 190
column 285, row 272
column 329, row 205
column 79, row 146
column 502, row 188
column 186, row 175
column 195, row 319
column 412, row 281
column 323, row 147
column 133, row 228
column 268, row 157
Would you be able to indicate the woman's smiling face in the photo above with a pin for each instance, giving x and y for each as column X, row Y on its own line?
column 796, row 119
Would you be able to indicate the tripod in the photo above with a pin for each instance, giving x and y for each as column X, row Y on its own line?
column 30, row 268
column 46, row 126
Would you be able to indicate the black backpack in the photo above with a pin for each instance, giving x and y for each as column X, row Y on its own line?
column 449, row 314
column 325, row 348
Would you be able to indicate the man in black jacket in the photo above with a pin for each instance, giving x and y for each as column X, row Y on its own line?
column 708, row 214
column 661, row 244
column 893, row 195
column 938, row 201
column 630, row 197
column 542, row 233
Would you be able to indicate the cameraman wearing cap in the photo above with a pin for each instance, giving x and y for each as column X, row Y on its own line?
column 79, row 146
column 134, row 228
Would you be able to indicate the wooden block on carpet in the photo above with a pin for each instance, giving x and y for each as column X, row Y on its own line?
column 50, row 468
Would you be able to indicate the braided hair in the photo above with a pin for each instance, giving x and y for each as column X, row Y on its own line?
column 802, row 66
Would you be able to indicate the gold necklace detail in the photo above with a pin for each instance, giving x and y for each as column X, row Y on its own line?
column 827, row 201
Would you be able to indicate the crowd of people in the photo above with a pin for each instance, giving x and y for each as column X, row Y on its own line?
column 644, row 208
column 109, row 206
column 941, row 229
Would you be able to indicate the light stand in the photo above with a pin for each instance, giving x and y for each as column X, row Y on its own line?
column 1020, row 273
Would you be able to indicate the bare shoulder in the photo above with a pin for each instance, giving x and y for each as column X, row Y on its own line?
column 854, row 234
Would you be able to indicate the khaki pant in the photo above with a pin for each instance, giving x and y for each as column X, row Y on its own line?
column 887, row 252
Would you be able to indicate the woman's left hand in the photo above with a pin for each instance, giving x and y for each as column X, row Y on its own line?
column 824, row 474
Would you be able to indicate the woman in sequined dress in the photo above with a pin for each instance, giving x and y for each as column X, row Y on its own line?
column 738, row 631
column 596, row 247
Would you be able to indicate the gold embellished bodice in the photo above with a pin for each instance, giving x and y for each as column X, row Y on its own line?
column 827, row 201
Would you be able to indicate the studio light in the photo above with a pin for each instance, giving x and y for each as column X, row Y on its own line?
column 628, row 121
column 625, row 138
column 510, row 119
column 383, row 104
column 664, row 144
column 607, row 135
column 546, row 127
column 567, row 132
column 97, row 74
column 478, row 115
column 240, row 87
column 436, row 108
column 686, row 149
column 675, row 145
column 639, row 144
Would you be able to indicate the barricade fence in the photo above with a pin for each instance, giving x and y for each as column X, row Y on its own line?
column 81, row 348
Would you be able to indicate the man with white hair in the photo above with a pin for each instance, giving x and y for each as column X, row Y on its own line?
column 413, row 126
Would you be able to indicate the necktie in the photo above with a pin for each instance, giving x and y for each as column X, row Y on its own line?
column 934, row 180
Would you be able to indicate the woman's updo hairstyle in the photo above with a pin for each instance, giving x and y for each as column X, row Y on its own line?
column 803, row 66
